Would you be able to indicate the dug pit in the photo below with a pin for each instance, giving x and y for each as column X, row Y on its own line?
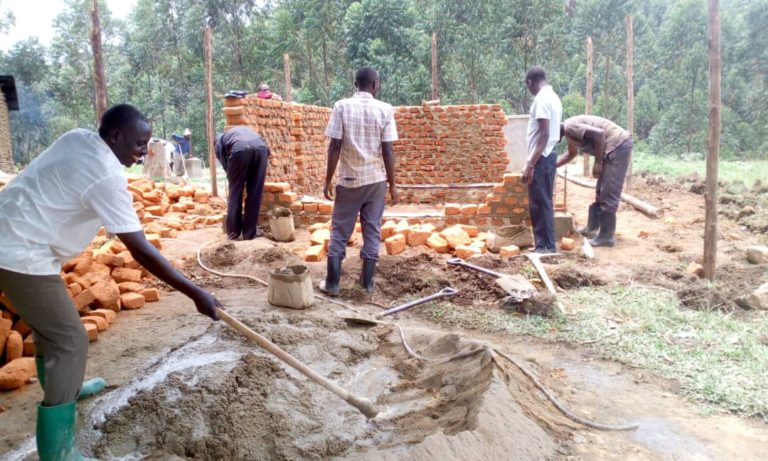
column 221, row 397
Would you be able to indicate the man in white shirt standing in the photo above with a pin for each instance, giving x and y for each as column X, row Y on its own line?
column 50, row 213
column 540, row 169
column 362, row 130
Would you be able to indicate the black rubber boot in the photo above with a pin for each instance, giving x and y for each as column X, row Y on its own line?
column 331, row 284
column 607, row 229
column 366, row 276
column 593, row 222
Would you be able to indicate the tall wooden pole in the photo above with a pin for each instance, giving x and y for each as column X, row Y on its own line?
column 713, row 154
column 99, row 80
column 209, row 127
column 287, row 66
column 630, row 92
column 588, row 108
column 435, row 91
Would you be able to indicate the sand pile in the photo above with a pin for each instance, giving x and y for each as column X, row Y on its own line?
column 221, row 397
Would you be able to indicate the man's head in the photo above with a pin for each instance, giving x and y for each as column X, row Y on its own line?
column 263, row 87
column 126, row 131
column 187, row 133
column 367, row 79
column 535, row 78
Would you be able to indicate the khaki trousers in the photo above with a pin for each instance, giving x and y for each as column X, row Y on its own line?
column 60, row 337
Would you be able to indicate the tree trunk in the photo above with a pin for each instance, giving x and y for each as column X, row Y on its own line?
column 287, row 68
column 209, row 127
column 630, row 92
column 326, row 77
column 713, row 154
column 588, row 98
column 435, row 92
column 99, row 80
column 606, row 89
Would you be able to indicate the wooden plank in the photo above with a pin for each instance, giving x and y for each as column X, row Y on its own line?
column 644, row 207
column 435, row 92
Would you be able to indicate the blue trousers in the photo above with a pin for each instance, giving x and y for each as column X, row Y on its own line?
column 540, row 192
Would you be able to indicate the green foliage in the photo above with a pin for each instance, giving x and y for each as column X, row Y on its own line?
column 154, row 60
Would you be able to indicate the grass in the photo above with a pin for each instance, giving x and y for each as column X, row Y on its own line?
column 745, row 171
column 719, row 361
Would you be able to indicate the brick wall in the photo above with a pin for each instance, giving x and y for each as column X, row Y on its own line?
column 6, row 155
column 294, row 133
column 439, row 143
column 436, row 145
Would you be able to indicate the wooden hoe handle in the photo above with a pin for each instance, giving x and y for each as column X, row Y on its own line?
column 365, row 406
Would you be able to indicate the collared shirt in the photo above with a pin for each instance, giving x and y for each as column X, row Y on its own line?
column 546, row 105
column 54, row 208
column 614, row 134
column 362, row 123
column 237, row 139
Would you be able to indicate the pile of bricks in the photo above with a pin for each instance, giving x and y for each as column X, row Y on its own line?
column 460, row 240
column 166, row 208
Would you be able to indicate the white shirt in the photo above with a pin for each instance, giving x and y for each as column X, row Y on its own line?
column 546, row 105
column 54, row 208
column 362, row 123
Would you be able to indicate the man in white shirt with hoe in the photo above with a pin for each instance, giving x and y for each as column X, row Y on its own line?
column 50, row 213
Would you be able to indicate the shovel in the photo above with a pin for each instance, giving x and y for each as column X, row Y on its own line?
column 516, row 285
column 375, row 320
column 364, row 405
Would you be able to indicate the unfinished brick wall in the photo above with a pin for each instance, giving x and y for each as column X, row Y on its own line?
column 294, row 133
column 439, row 146
column 6, row 155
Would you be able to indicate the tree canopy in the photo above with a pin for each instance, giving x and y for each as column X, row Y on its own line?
column 154, row 60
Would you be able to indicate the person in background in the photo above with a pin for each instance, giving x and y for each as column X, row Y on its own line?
column 612, row 147
column 50, row 213
column 265, row 93
column 362, row 130
column 183, row 146
column 539, row 172
column 244, row 155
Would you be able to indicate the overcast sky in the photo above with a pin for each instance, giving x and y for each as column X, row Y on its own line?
column 35, row 18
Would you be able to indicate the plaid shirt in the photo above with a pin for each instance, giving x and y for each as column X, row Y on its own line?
column 362, row 123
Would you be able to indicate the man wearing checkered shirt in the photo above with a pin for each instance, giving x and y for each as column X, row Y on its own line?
column 362, row 130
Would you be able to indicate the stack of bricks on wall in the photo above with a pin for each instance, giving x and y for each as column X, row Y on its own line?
column 105, row 279
column 448, row 157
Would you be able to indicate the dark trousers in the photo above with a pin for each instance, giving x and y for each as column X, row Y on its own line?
column 540, row 192
column 368, row 201
column 246, row 172
column 611, row 182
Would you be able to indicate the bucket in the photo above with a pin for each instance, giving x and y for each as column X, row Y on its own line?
column 290, row 287
column 281, row 224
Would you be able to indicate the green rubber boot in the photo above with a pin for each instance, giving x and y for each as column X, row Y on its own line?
column 89, row 388
column 56, row 433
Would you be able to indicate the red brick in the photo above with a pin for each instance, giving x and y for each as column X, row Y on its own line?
column 14, row 346
column 100, row 322
column 452, row 209
column 124, row 274
column 395, row 244
column 29, row 346
column 92, row 330
column 509, row 251
column 484, row 209
column 315, row 253
column 150, row 294
column 106, row 314
column 106, row 294
column 325, row 207
column 466, row 251
column 567, row 243
column 512, row 178
column 83, row 299
column 469, row 210
column 310, row 207
column 288, row 197
column 132, row 301
column 17, row 373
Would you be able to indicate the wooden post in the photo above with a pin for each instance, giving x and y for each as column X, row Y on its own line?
column 209, row 127
column 435, row 92
column 99, row 80
column 713, row 154
column 287, row 66
column 630, row 93
column 588, row 108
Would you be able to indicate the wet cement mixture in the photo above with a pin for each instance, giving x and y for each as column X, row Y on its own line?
column 220, row 397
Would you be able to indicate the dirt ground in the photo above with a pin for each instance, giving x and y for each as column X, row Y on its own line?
column 183, row 388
